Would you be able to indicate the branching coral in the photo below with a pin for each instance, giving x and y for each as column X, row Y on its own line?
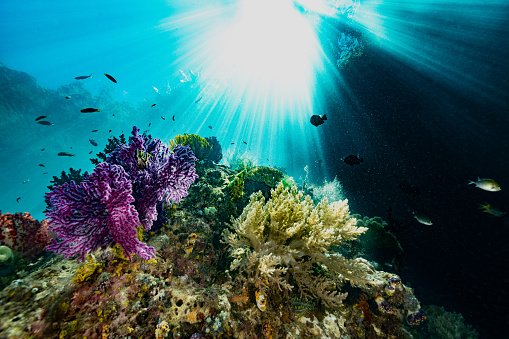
column 279, row 243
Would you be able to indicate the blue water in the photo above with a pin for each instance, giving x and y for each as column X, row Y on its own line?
column 425, row 102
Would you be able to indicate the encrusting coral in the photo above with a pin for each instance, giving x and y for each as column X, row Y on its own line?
column 280, row 243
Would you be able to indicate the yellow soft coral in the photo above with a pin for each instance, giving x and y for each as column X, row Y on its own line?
column 287, row 235
column 86, row 271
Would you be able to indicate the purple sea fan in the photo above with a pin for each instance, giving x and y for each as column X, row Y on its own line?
column 157, row 172
column 95, row 214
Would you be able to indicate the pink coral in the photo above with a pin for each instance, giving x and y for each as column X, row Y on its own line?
column 23, row 234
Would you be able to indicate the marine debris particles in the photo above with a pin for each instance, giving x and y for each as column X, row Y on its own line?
column 110, row 77
column 486, row 184
column 66, row 154
column 89, row 110
column 409, row 189
column 352, row 160
column 317, row 120
column 82, row 77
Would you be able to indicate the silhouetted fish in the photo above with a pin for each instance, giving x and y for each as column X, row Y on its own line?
column 66, row 154
column 45, row 123
column 95, row 130
column 42, row 149
column 81, row 77
column 153, row 105
column 210, row 127
column 90, row 152
column 173, row 118
column 17, row 200
column 352, row 160
column 316, row 120
column 163, row 118
column 41, row 117
column 42, row 165
column 244, row 142
column 89, row 110
column 68, row 97
column 110, row 77
column 149, row 124
column 92, row 141
column 198, row 100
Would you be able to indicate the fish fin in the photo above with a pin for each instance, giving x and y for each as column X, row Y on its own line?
column 324, row 117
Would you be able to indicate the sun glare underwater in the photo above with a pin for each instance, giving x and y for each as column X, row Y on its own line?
column 366, row 100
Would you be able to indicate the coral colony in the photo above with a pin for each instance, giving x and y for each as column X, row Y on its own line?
column 245, row 254
column 99, row 212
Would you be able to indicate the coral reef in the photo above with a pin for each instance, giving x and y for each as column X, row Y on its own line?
column 202, row 149
column 23, row 234
column 74, row 175
column 277, row 244
column 448, row 325
column 98, row 212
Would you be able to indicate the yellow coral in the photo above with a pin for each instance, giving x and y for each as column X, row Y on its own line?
column 288, row 234
column 86, row 271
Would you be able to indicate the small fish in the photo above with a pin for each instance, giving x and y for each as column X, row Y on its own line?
column 41, row 117
column 493, row 210
column 45, row 123
column 153, row 105
column 89, row 110
column 95, row 130
column 198, row 100
column 423, row 219
column 316, row 120
column 90, row 152
column 93, row 142
column 163, row 118
column 26, row 181
column 110, row 77
column 66, row 154
column 489, row 185
column 44, row 172
column 82, row 77
column 232, row 143
column 210, row 127
column 42, row 149
column 42, row 165
column 110, row 131
column 149, row 124
column 173, row 118
column 17, row 200
column 68, row 97
column 352, row 160
column 244, row 142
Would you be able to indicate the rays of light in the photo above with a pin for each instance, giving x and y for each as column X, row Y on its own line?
column 259, row 58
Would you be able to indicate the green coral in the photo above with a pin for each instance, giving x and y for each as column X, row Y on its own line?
column 269, row 176
column 200, row 146
column 277, row 245
column 448, row 325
